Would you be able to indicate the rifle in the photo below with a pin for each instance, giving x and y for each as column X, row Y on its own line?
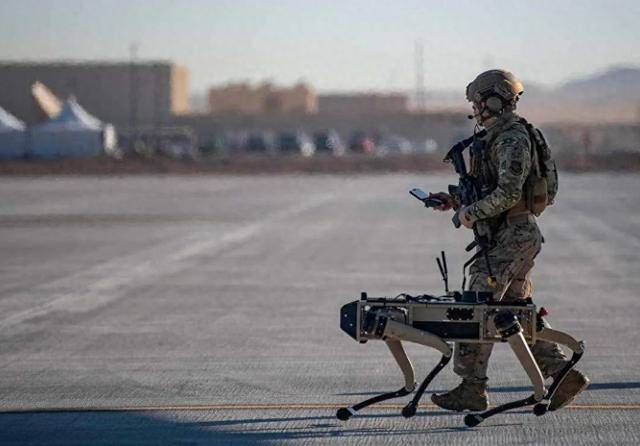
column 467, row 192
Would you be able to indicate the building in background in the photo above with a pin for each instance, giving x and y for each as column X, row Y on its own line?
column 138, row 94
column 363, row 103
column 262, row 99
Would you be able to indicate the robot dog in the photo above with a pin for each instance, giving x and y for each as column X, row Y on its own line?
column 438, row 321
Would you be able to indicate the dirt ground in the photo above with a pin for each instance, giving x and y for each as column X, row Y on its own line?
column 284, row 164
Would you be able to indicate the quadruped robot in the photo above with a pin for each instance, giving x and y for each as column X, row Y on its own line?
column 456, row 316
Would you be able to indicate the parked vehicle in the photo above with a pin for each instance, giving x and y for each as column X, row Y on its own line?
column 360, row 142
column 393, row 144
column 330, row 142
column 426, row 146
column 217, row 145
column 177, row 145
column 260, row 142
column 236, row 142
column 296, row 142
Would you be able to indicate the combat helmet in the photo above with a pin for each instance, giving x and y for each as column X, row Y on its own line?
column 497, row 88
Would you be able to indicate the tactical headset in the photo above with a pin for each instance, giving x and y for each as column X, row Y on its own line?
column 494, row 104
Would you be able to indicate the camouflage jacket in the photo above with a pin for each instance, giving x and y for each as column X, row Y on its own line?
column 507, row 165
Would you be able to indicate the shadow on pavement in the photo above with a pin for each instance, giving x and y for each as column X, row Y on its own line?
column 592, row 387
column 180, row 429
column 177, row 428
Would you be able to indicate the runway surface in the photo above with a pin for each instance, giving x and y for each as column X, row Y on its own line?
column 202, row 310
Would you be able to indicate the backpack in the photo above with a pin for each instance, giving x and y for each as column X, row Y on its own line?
column 541, row 186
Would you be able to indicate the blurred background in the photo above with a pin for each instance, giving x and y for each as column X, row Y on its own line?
column 251, row 85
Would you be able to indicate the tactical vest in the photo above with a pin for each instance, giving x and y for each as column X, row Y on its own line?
column 541, row 185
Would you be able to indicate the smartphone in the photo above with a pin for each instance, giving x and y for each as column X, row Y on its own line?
column 422, row 196
column 419, row 194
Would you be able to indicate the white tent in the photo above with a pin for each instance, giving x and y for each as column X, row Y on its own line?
column 13, row 137
column 73, row 133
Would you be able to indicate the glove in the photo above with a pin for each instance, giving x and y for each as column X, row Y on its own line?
column 447, row 201
column 464, row 219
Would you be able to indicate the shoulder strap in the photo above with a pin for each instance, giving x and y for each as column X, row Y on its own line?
column 535, row 158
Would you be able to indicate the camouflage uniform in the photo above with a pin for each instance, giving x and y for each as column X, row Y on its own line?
column 518, row 240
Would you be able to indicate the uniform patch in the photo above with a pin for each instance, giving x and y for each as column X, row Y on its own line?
column 507, row 141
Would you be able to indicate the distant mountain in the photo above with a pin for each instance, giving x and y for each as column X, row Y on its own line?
column 610, row 96
column 616, row 85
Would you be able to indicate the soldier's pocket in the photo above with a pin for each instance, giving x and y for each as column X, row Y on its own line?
column 519, row 238
column 525, row 237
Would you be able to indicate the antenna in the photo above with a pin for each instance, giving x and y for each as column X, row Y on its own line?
column 442, row 266
column 444, row 263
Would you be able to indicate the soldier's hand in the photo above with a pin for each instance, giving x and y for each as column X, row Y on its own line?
column 447, row 201
column 464, row 219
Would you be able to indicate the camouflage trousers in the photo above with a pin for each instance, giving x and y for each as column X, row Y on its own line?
column 511, row 262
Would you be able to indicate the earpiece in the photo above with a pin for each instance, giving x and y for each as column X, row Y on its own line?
column 494, row 104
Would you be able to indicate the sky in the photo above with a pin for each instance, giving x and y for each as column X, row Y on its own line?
column 333, row 45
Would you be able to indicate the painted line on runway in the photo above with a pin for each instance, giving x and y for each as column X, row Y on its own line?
column 265, row 406
column 109, row 281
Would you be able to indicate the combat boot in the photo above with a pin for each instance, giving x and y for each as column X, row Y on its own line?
column 574, row 383
column 467, row 396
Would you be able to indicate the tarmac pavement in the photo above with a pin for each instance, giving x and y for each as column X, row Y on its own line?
column 189, row 310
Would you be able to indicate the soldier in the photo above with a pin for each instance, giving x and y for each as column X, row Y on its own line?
column 503, row 170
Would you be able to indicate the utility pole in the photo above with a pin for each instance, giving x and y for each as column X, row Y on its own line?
column 420, row 92
column 133, row 95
